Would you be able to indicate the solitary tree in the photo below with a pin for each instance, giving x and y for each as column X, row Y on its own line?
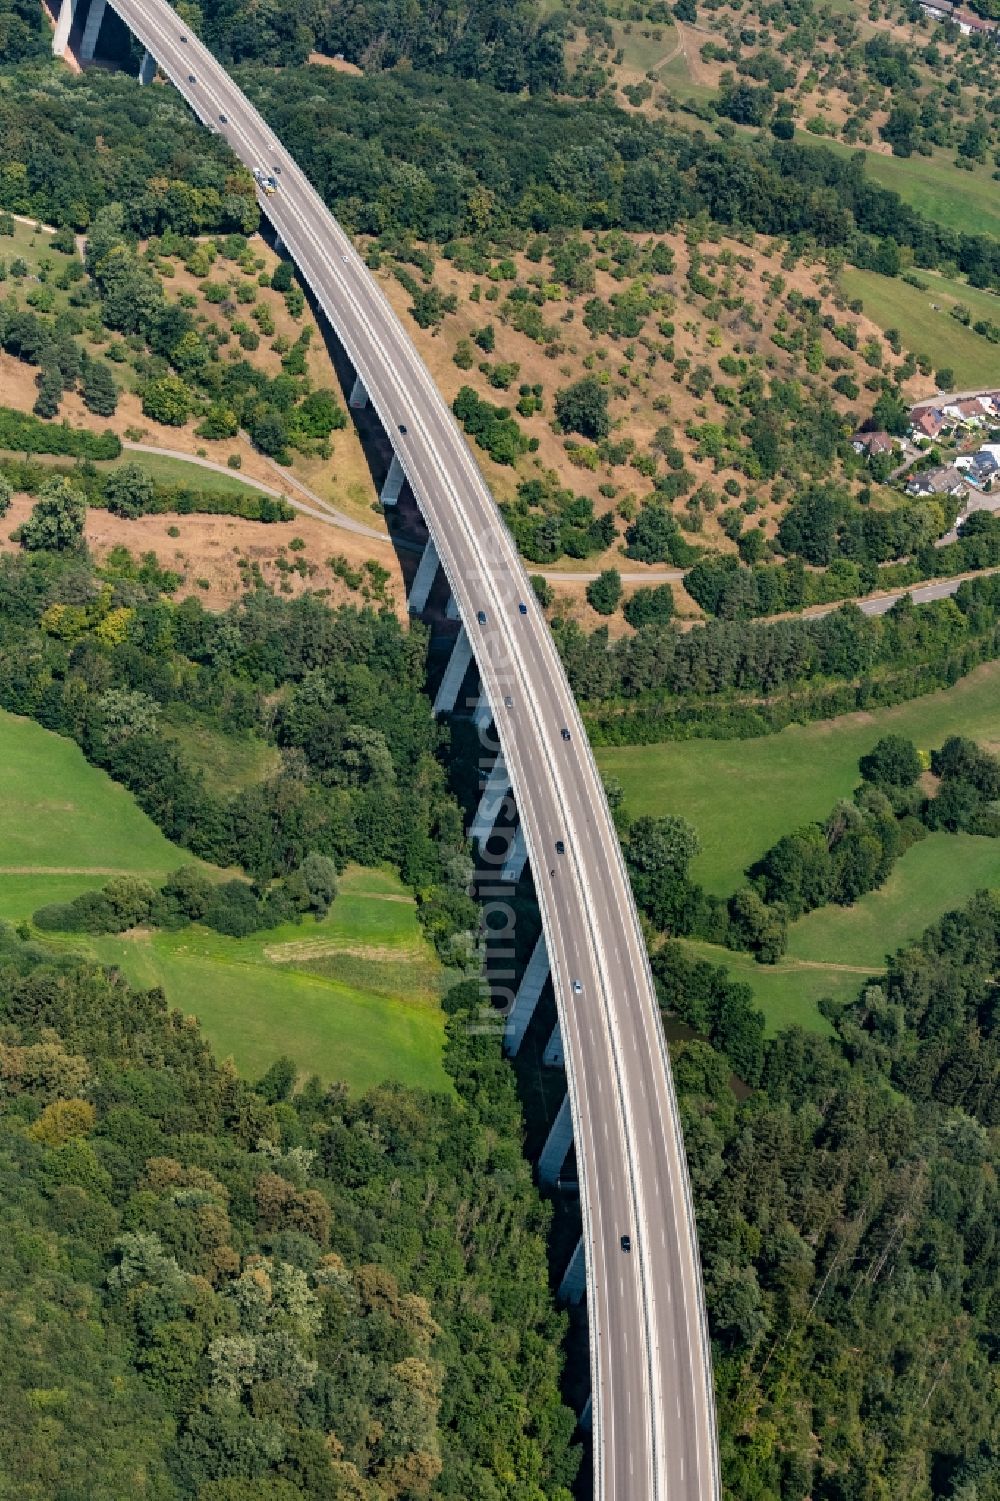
column 129, row 491
column 658, row 853
column 583, row 408
column 167, row 400
column 50, row 388
column 650, row 606
column 892, row 761
column 56, row 521
column 544, row 591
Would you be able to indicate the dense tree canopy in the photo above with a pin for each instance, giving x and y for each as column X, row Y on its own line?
column 377, row 150
column 239, row 1293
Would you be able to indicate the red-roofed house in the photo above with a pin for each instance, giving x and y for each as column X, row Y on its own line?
column 927, row 421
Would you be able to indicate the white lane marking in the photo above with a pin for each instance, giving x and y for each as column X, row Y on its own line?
column 645, row 1019
column 304, row 229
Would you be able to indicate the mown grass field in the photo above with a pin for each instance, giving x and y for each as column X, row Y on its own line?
column 788, row 993
column 354, row 997
column 742, row 795
column 644, row 52
column 163, row 468
column 170, row 471
column 59, row 815
column 832, row 951
column 964, row 201
column 33, row 246
column 893, row 303
column 941, row 872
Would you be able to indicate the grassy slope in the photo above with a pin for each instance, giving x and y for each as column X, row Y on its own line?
column 354, row 997
column 831, row 952
column 162, row 467
column 788, row 993
column 58, row 813
column 33, row 246
column 742, row 795
column 964, row 201
column 171, row 471
column 941, row 872
column 895, row 304
column 289, row 990
column 227, row 762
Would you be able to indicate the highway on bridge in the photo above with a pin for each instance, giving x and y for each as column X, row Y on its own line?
column 653, row 1410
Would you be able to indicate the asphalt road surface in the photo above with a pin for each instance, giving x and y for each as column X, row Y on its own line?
column 653, row 1411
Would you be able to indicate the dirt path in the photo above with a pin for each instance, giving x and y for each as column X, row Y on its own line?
column 319, row 508
column 64, row 870
column 844, row 969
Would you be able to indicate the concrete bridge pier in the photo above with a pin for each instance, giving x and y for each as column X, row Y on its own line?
column 359, row 396
column 423, row 579
column 493, row 798
column 586, row 1417
column 88, row 45
column 393, row 483
column 451, row 610
column 483, row 712
column 574, row 1282
column 531, row 986
column 560, row 1139
column 555, row 1054
column 517, row 858
column 64, row 25
column 147, row 68
column 454, row 673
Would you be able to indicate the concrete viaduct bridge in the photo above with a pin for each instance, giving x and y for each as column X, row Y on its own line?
column 651, row 1408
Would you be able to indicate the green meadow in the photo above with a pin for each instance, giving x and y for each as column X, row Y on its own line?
column 924, row 320
column 742, row 795
column 960, row 200
column 353, row 997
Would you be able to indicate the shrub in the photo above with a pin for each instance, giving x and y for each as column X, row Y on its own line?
column 650, row 606
column 604, row 593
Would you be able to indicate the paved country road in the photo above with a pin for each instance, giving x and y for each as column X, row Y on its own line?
column 653, row 1410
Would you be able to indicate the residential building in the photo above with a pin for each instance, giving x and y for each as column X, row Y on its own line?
column 943, row 480
column 873, row 444
column 982, row 467
column 927, row 422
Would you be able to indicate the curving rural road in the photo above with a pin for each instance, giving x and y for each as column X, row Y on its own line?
column 653, row 1411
